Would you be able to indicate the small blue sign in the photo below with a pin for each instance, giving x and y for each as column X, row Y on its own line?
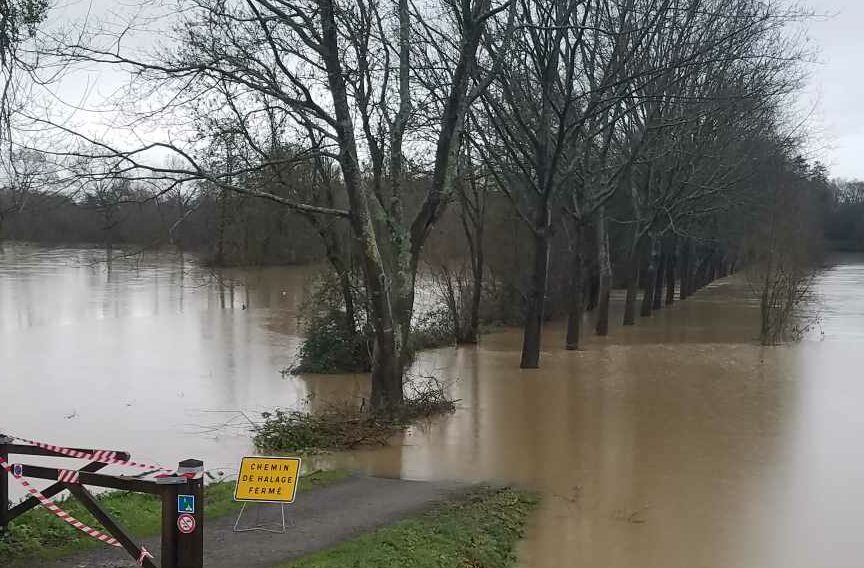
column 18, row 470
column 186, row 504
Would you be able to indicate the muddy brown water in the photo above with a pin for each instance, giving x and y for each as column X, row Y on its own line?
column 676, row 442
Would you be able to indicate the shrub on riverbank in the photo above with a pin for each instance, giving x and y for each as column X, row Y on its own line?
column 482, row 530
column 328, row 346
column 38, row 535
column 345, row 427
column 338, row 340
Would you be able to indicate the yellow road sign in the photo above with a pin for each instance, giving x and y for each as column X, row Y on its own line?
column 267, row 480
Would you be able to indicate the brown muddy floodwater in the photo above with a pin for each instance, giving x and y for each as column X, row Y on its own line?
column 675, row 443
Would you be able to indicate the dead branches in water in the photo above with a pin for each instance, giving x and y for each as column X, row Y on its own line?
column 347, row 427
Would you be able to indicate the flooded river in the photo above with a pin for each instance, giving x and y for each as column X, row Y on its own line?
column 677, row 442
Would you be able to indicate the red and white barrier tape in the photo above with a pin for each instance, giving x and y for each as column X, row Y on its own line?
column 104, row 456
column 144, row 554
column 67, row 475
column 60, row 513
column 72, row 476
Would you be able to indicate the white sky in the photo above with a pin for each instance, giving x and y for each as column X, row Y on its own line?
column 837, row 84
column 833, row 99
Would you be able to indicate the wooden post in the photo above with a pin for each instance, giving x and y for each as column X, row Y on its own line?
column 4, row 484
column 190, row 547
column 169, row 526
column 183, row 548
column 182, row 542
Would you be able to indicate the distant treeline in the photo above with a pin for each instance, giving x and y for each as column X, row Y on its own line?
column 231, row 229
column 844, row 225
column 225, row 229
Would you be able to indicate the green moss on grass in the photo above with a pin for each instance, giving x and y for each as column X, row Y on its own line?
column 39, row 535
column 479, row 532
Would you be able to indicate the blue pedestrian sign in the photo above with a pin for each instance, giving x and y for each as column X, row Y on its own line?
column 186, row 504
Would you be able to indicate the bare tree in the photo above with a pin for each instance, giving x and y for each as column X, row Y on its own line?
column 783, row 245
column 336, row 70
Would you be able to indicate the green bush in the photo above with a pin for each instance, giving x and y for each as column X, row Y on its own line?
column 328, row 347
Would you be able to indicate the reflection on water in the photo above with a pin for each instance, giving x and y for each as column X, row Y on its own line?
column 146, row 354
column 676, row 442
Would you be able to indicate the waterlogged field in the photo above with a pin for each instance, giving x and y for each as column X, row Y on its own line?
column 677, row 442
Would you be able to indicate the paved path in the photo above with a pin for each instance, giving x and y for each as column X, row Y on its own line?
column 318, row 519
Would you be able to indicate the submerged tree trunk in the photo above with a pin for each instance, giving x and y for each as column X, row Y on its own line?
column 660, row 273
column 632, row 282
column 473, row 215
column 593, row 289
column 387, row 371
column 650, row 277
column 686, row 256
column 390, row 282
column 471, row 334
column 531, row 338
column 604, row 269
column 576, row 309
column 671, row 261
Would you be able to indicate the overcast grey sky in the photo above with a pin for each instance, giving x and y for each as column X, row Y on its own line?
column 837, row 84
column 834, row 95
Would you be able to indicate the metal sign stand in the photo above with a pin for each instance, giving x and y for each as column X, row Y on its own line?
column 266, row 480
column 258, row 526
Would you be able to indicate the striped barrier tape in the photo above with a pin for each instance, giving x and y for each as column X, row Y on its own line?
column 144, row 554
column 108, row 457
column 70, row 476
column 60, row 513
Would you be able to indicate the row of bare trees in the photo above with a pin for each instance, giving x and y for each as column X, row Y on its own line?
column 632, row 127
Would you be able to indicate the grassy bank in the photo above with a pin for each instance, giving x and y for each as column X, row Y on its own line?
column 38, row 535
column 481, row 531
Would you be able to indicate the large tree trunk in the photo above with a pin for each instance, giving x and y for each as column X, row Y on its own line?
column 660, row 273
column 671, row 262
column 604, row 269
column 531, row 339
column 472, row 333
column 685, row 272
column 387, row 372
column 387, row 309
column 452, row 301
column 632, row 282
column 650, row 277
column 593, row 289
column 577, row 285
column 473, row 225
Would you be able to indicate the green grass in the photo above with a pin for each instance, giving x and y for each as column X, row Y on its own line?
column 479, row 532
column 39, row 535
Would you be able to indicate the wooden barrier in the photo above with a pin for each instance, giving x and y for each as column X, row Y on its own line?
column 181, row 494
